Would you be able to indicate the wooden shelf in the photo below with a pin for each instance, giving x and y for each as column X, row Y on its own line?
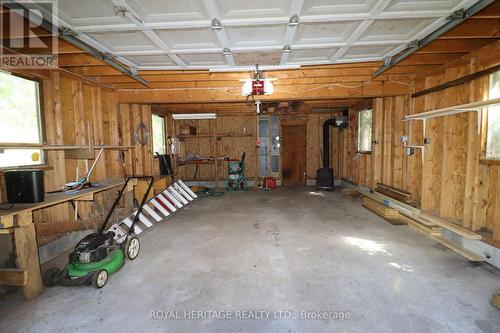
column 487, row 161
column 52, row 199
column 9, row 145
column 215, row 135
column 475, row 106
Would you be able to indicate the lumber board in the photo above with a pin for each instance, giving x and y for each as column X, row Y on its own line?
column 395, row 194
column 495, row 299
column 387, row 213
column 450, row 226
column 457, row 248
column 426, row 229
column 13, row 277
column 350, row 193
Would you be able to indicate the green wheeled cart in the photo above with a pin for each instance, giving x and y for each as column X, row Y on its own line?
column 235, row 181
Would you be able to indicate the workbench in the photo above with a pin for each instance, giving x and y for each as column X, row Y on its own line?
column 18, row 222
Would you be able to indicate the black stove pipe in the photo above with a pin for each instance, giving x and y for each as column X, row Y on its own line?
column 326, row 137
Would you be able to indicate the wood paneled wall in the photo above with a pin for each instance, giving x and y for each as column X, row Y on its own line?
column 452, row 181
column 231, row 135
column 70, row 107
column 227, row 136
column 314, row 144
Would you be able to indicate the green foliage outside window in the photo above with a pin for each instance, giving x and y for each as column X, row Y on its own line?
column 493, row 134
column 365, row 131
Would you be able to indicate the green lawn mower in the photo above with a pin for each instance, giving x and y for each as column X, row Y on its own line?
column 99, row 254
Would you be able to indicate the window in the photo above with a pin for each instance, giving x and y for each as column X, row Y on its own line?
column 493, row 133
column 269, row 146
column 20, row 120
column 365, row 131
column 158, row 134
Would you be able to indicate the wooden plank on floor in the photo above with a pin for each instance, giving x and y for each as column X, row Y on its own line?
column 390, row 214
column 13, row 277
column 495, row 299
column 457, row 248
column 426, row 229
column 450, row 226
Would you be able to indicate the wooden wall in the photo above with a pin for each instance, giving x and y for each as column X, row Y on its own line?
column 230, row 135
column 314, row 144
column 70, row 107
column 452, row 181
column 227, row 136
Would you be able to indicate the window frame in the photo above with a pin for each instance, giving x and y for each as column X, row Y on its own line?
column 164, row 133
column 485, row 159
column 358, row 136
column 41, row 125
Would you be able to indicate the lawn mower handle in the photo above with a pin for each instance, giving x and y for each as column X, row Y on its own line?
column 117, row 200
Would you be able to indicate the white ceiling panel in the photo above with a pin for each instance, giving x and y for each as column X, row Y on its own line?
column 256, row 36
column 151, row 60
column 79, row 12
column 124, row 40
column 205, row 33
column 367, row 52
column 394, row 30
column 204, row 60
column 324, row 33
column 253, row 58
column 169, row 10
column 181, row 39
column 337, row 7
column 419, row 5
column 237, row 9
column 311, row 56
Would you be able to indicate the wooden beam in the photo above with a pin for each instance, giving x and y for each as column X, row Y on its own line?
column 312, row 71
column 483, row 28
column 13, row 277
column 299, row 92
column 457, row 82
column 455, row 45
column 430, row 59
column 27, row 259
column 72, row 60
column 51, row 228
column 199, row 80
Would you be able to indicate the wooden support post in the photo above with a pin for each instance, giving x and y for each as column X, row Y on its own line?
column 27, row 256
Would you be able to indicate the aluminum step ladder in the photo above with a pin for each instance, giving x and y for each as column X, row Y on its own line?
column 156, row 210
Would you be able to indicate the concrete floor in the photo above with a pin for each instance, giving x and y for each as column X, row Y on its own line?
column 291, row 250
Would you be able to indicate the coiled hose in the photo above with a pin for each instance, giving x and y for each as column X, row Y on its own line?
column 206, row 192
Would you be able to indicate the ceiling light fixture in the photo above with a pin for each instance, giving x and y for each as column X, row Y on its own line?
column 193, row 116
column 286, row 49
column 216, row 25
column 294, row 21
column 226, row 51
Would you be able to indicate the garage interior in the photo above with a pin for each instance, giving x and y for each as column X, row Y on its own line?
column 306, row 165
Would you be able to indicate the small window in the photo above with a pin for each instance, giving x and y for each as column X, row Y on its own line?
column 20, row 120
column 493, row 133
column 365, row 131
column 158, row 134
